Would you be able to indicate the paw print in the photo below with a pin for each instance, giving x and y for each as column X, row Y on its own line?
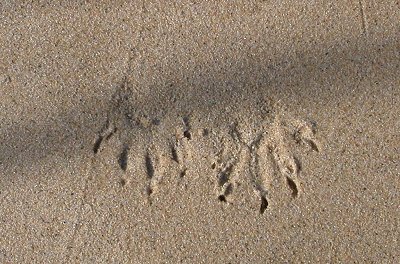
column 269, row 154
column 149, row 143
column 255, row 147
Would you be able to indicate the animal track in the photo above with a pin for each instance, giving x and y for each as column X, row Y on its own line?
column 269, row 153
column 186, row 133
column 263, row 144
column 138, row 134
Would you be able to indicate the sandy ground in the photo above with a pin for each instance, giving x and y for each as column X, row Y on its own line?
column 200, row 132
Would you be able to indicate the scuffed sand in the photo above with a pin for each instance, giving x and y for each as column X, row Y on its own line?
column 226, row 132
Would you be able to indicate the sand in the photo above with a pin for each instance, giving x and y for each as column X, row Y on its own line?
column 200, row 132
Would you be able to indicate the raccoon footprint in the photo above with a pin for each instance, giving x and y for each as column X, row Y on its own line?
column 282, row 143
column 140, row 140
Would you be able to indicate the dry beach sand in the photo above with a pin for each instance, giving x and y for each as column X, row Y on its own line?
column 199, row 131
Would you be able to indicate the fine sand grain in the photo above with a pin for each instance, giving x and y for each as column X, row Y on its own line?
column 200, row 132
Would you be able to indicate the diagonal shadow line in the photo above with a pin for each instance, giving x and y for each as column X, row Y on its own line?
column 24, row 144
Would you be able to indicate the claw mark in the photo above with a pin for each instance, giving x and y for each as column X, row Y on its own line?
column 224, row 180
column 186, row 121
column 97, row 144
column 227, row 192
column 108, row 136
column 292, row 185
column 176, row 155
column 122, row 182
column 149, row 191
column 106, row 132
column 150, row 176
column 222, row 198
column 123, row 158
column 223, row 175
column 182, row 173
column 364, row 17
column 312, row 144
column 186, row 133
column 149, row 166
column 264, row 205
